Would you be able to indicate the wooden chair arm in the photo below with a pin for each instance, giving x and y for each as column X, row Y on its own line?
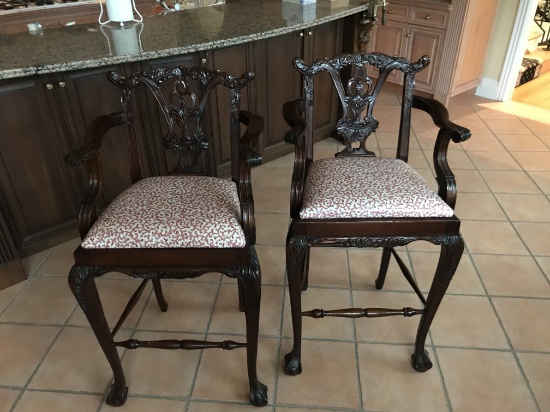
column 447, row 131
column 440, row 117
column 93, row 137
column 255, row 126
column 292, row 113
column 248, row 158
column 88, row 155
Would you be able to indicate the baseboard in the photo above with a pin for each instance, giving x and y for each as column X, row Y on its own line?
column 488, row 88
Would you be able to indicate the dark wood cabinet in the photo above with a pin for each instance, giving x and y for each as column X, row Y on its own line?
column 43, row 118
column 39, row 198
column 234, row 60
column 324, row 41
column 84, row 95
column 280, row 82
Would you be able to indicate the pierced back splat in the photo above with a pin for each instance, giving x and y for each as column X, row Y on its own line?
column 358, row 96
column 182, row 94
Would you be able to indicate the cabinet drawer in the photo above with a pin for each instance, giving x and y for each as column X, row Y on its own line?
column 395, row 12
column 426, row 17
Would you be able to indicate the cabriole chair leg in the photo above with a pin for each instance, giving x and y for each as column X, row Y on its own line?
column 82, row 284
column 296, row 252
column 385, row 262
column 451, row 252
column 163, row 305
column 250, row 281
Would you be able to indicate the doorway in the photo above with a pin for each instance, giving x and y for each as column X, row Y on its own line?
column 516, row 48
column 533, row 81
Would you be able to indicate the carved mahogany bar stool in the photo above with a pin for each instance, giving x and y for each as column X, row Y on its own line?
column 358, row 200
column 171, row 227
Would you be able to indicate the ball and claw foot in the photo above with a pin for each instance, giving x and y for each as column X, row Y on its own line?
column 293, row 366
column 258, row 395
column 421, row 362
column 117, row 395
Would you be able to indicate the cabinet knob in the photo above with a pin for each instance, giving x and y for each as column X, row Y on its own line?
column 49, row 86
column 301, row 34
column 203, row 60
column 309, row 33
column 428, row 17
column 390, row 11
column 61, row 84
column 409, row 35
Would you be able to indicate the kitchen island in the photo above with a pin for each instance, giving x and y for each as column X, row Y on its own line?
column 82, row 46
column 53, row 83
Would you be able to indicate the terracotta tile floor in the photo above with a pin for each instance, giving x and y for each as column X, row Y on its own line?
column 490, row 341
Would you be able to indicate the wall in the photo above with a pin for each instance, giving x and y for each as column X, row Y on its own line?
column 498, row 44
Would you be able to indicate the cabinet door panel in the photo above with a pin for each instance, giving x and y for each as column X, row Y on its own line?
column 282, row 84
column 426, row 42
column 391, row 39
column 232, row 60
column 38, row 199
column 325, row 43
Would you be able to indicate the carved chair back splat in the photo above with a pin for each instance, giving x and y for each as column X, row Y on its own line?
column 359, row 200
column 171, row 227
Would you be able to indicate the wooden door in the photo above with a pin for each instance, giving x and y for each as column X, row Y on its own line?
column 426, row 41
column 39, row 198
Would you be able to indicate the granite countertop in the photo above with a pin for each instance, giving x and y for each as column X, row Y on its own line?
column 91, row 45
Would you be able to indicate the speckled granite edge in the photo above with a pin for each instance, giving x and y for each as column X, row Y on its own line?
column 146, row 55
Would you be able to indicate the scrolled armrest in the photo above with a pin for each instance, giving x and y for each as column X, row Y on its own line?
column 447, row 131
column 440, row 117
column 93, row 137
column 88, row 155
column 292, row 113
column 248, row 158
column 255, row 126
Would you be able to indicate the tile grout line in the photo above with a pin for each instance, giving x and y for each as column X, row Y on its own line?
column 133, row 331
column 355, row 344
column 432, row 343
column 514, row 226
column 34, row 273
column 201, row 351
column 46, row 352
column 279, row 343
column 514, row 354
column 496, row 199
column 475, row 266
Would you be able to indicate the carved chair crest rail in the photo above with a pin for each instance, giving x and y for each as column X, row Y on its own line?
column 357, row 199
column 171, row 227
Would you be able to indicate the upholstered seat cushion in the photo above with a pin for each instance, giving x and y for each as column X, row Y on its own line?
column 352, row 187
column 171, row 212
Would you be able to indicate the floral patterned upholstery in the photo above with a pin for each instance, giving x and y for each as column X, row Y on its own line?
column 171, row 212
column 373, row 187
